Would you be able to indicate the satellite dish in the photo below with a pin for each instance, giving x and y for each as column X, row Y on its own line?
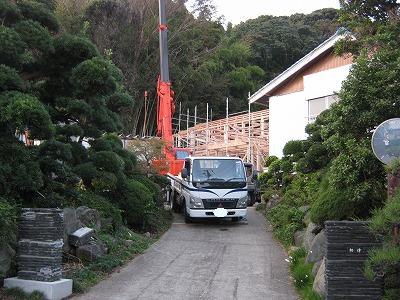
column 386, row 140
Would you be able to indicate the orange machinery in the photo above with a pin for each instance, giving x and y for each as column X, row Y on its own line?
column 174, row 157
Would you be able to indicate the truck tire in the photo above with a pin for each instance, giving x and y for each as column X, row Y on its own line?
column 188, row 219
column 252, row 199
column 174, row 204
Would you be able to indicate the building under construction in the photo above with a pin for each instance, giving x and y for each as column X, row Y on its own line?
column 244, row 135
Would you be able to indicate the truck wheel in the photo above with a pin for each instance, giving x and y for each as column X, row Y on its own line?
column 188, row 219
column 174, row 204
column 252, row 199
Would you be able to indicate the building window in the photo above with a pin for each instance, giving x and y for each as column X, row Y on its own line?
column 318, row 105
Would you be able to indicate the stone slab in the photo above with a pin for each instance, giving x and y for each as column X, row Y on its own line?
column 81, row 237
column 56, row 290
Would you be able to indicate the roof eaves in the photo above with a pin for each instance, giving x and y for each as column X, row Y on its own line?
column 296, row 67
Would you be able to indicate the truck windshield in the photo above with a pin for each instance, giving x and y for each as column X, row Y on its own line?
column 218, row 173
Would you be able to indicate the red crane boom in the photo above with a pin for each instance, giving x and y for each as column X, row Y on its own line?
column 166, row 106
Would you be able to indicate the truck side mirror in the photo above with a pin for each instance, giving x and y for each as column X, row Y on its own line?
column 184, row 173
column 255, row 175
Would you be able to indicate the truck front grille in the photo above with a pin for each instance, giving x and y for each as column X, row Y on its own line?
column 216, row 203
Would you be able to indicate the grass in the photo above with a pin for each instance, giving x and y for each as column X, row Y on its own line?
column 18, row 294
column 285, row 221
column 382, row 259
column 302, row 275
column 120, row 252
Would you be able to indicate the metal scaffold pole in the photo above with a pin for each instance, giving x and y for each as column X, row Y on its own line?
column 249, row 158
column 179, row 123
column 226, row 127
column 187, row 128
column 207, row 133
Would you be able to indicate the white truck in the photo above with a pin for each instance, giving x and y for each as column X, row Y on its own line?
column 210, row 187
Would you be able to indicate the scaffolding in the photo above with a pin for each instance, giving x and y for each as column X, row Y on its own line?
column 244, row 135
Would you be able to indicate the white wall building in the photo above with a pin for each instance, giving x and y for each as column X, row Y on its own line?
column 299, row 94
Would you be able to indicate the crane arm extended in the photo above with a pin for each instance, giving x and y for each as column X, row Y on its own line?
column 166, row 107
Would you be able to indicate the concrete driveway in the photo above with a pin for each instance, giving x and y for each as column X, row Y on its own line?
column 207, row 260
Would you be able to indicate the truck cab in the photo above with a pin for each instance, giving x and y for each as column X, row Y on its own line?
column 211, row 187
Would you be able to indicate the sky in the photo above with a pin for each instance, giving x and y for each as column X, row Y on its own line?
column 237, row 11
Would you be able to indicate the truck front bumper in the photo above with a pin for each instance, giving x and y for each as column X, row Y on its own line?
column 209, row 213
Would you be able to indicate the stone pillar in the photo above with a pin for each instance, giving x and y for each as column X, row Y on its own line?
column 39, row 255
column 347, row 247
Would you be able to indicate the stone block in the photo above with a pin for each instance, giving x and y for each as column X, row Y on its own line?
column 309, row 235
column 319, row 281
column 316, row 267
column 91, row 252
column 80, row 237
column 89, row 217
column 56, row 290
column 41, row 224
column 318, row 248
column 39, row 254
column 298, row 238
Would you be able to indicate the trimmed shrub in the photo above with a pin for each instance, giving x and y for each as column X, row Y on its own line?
column 8, row 222
column 108, row 161
column 137, row 203
column 293, row 147
column 103, row 205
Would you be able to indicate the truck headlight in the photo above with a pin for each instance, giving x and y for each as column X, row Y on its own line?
column 242, row 202
column 196, row 202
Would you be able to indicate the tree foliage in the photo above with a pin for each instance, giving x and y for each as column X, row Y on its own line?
column 207, row 63
column 57, row 90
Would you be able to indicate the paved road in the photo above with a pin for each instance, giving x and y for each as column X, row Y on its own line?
column 211, row 260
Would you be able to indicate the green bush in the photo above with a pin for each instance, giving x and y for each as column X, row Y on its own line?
column 87, row 172
column 18, row 294
column 302, row 274
column 154, row 188
column 383, row 219
column 92, row 77
column 286, row 220
column 137, row 203
column 330, row 204
column 8, row 222
column 11, row 47
column 9, row 79
column 382, row 261
column 103, row 205
column 385, row 260
column 104, row 182
column 39, row 12
column 302, row 190
column 293, row 147
column 350, row 189
column 108, row 161
column 270, row 160
column 161, row 180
